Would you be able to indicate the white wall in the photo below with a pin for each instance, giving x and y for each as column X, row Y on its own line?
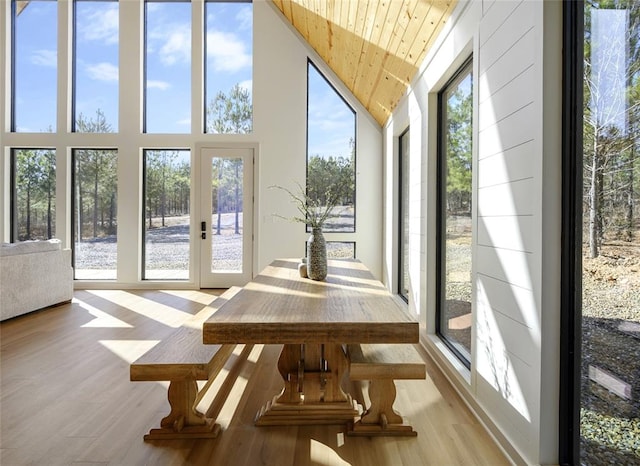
column 513, row 382
column 280, row 100
column 280, row 96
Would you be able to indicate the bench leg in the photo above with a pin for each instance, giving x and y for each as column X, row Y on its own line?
column 381, row 419
column 184, row 421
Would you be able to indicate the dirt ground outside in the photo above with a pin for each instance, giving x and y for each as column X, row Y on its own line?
column 610, row 424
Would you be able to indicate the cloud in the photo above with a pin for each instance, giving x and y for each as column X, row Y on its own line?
column 99, row 24
column 184, row 122
column 103, row 72
column 227, row 52
column 177, row 47
column 47, row 58
column 162, row 85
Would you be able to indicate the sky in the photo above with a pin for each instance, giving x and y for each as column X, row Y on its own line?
column 229, row 57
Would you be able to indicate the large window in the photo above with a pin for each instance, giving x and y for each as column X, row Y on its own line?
column 95, row 90
column 331, row 145
column 229, row 67
column 167, row 188
column 35, row 65
column 167, row 82
column 34, row 194
column 610, row 209
column 455, row 223
column 403, row 216
column 95, row 223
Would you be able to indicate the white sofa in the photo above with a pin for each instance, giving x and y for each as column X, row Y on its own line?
column 34, row 275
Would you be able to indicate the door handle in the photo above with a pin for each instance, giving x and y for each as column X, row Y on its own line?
column 203, row 230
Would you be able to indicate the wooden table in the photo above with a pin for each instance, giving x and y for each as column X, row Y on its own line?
column 312, row 320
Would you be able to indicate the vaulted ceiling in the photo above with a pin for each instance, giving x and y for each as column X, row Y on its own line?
column 374, row 46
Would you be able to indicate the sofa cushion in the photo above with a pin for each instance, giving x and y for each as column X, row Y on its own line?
column 29, row 247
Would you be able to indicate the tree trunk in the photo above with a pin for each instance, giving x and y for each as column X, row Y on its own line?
column 49, row 215
column 219, row 197
column 95, row 202
column 28, row 232
column 112, row 212
column 629, row 200
column 593, row 202
column 163, row 196
column 237, row 195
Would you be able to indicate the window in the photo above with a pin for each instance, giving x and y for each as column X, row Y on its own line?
column 33, row 184
column 331, row 145
column 95, row 213
column 455, row 223
column 229, row 67
column 35, row 66
column 167, row 189
column 167, row 81
column 95, row 89
column 403, row 216
column 607, row 214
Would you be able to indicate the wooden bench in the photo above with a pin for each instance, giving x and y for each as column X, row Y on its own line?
column 381, row 364
column 183, row 359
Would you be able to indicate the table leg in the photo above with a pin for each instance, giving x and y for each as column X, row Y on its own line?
column 312, row 392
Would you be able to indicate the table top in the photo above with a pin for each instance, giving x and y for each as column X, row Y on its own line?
column 279, row 306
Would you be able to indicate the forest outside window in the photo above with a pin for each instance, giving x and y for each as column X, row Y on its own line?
column 33, row 187
column 167, row 190
column 95, row 214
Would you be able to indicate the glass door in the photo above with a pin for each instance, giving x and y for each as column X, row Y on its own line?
column 226, row 223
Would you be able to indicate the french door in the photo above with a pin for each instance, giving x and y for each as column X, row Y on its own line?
column 226, row 220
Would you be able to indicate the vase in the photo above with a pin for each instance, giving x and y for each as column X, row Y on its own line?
column 316, row 255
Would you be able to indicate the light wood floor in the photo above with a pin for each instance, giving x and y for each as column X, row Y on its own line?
column 66, row 398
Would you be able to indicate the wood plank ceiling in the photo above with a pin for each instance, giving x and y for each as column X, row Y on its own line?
column 374, row 46
column 21, row 5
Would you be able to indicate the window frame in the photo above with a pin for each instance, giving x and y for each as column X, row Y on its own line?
column 13, row 127
column 72, row 212
column 310, row 63
column 570, row 399
column 12, row 109
column 440, row 296
column 205, row 67
column 402, row 161
column 14, row 233
column 145, row 63
column 143, row 233
column 74, row 63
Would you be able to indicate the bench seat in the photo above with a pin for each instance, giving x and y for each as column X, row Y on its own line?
column 183, row 359
column 381, row 365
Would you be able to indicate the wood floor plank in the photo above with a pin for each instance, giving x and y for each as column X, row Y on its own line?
column 66, row 398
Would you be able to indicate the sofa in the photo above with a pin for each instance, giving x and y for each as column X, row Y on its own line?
column 34, row 275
